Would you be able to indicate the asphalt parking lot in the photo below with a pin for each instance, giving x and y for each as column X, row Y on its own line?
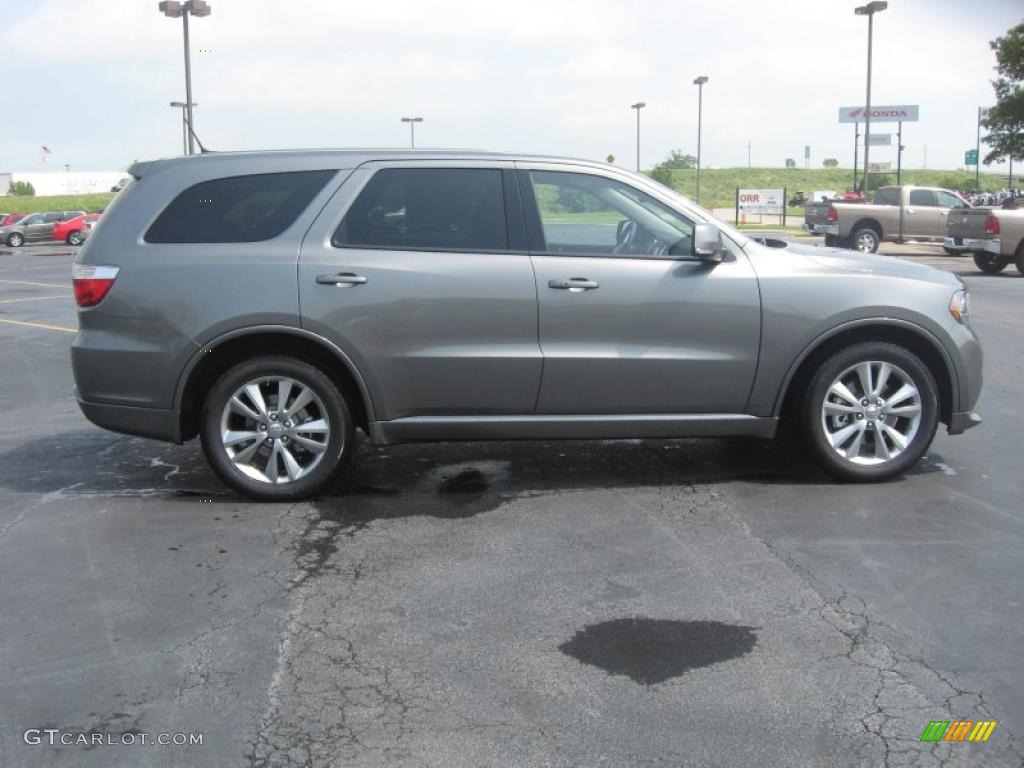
column 618, row 603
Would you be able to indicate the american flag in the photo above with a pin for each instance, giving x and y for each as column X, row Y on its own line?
column 46, row 153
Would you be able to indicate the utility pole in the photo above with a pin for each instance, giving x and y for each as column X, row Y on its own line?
column 699, row 82
column 869, row 10
column 412, row 129
column 748, row 154
column 638, row 106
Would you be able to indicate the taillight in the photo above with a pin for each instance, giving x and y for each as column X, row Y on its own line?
column 991, row 226
column 833, row 214
column 92, row 283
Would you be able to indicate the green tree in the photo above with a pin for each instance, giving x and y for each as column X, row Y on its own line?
column 830, row 162
column 676, row 160
column 21, row 189
column 1005, row 120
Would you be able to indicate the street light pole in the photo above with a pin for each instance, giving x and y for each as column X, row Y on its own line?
column 412, row 129
column 173, row 9
column 699, row 82
column 638, row 106
column 184, row 124
column 869, row 10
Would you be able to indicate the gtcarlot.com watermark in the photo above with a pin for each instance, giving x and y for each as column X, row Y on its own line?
column 55, row 737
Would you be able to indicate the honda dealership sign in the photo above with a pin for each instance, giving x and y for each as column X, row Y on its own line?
column 894, row 113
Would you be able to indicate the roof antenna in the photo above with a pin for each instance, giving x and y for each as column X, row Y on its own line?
column 202, row 150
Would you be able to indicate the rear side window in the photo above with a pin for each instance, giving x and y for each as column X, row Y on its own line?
column 922, row 197
column 887, row 196
column 457, row 209
column 238, row 209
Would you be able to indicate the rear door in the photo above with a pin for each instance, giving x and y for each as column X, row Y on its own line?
column 42, row 229
column 419, row 272
column 922, row 215
column 630, row 323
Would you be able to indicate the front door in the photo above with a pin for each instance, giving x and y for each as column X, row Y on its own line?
column 630, row 322
column 414, row 271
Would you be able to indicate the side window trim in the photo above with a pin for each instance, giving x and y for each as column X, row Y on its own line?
column 535, row 228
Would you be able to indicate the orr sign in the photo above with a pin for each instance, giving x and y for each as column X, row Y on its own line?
column 893, row 113
column 761, row 200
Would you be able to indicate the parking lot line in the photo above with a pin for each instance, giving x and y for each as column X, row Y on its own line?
column 35, row 298
column 40, row 325
column 26, row 282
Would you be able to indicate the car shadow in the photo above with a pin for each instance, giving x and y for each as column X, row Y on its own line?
column 443, row 480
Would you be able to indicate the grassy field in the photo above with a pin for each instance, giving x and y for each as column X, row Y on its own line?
column 718, row 185
column 88, row 203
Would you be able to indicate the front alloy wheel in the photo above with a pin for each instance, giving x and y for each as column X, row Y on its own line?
column 276, row 428
column 15, row 240
column 75, row 238
column 870, row 412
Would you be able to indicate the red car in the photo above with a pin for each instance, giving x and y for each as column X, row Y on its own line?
column 70, row 231
column 6, row 219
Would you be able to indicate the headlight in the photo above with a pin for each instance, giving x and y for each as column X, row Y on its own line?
column 958, row 306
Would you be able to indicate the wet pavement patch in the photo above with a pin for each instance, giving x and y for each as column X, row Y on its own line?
column 651, row 651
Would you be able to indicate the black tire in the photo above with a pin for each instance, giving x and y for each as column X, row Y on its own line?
column 338, row 412
column 990, row 263
column 865, row 240
column 1018, row 258
column 74, row 237
column 15, row 240
column 812, row 419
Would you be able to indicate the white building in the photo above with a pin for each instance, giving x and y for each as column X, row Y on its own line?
column 48, row 183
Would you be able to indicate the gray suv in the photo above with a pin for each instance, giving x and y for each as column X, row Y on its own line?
column 273, row 302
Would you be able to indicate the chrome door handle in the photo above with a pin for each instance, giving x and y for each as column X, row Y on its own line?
column 574, row 284
column 344, row 278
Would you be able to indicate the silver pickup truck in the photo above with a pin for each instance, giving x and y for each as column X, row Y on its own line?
column 895, row 214
column 995, row 236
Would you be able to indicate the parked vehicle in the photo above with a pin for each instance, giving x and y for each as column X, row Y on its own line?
column 895, row 214
column 6, row 219
column 472, row 296
column 88, row 227
column 35, row 227
column 70, row 230
column 994, row 236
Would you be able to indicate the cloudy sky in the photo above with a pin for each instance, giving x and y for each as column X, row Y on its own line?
column 92, row 80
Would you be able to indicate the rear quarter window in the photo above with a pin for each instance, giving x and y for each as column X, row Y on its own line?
column 237, row 209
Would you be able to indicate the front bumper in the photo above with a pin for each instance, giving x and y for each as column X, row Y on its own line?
column 961, row 422
column 970, row 245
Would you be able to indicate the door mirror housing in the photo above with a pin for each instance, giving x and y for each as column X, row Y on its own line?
column 707, row 243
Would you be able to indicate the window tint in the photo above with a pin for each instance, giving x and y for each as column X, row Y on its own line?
column 948, row 200
column 239, row 209
column 922, row 197
column 585, row 214
column 428, row 208
column 887, row 196
column 28, row 220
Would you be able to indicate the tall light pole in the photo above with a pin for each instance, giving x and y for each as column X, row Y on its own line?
column 184, row 124
column 173, row 9
column 699, row 82
column 869, row 10
column 638, row 106
column 412, row 129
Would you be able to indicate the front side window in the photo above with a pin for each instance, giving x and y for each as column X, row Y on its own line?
column 924, row 198
column 448, row 209
column 586, row 214
column 238, row 209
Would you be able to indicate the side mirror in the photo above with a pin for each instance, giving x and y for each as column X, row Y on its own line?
column 707, row 243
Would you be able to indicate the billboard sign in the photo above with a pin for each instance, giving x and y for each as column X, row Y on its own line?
column 893, row 113
column 880, row 139
column 761, row 200
column 879, row 167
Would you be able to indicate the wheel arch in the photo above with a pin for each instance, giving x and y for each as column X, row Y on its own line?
column 870, row 224
column 208, row 363
column 905, row 334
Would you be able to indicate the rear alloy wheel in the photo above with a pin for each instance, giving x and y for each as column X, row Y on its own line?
column 74, row 237
column 990, row 263
column 865, row 240
column 870, row 412
column 15, row 240
column 276, row 428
